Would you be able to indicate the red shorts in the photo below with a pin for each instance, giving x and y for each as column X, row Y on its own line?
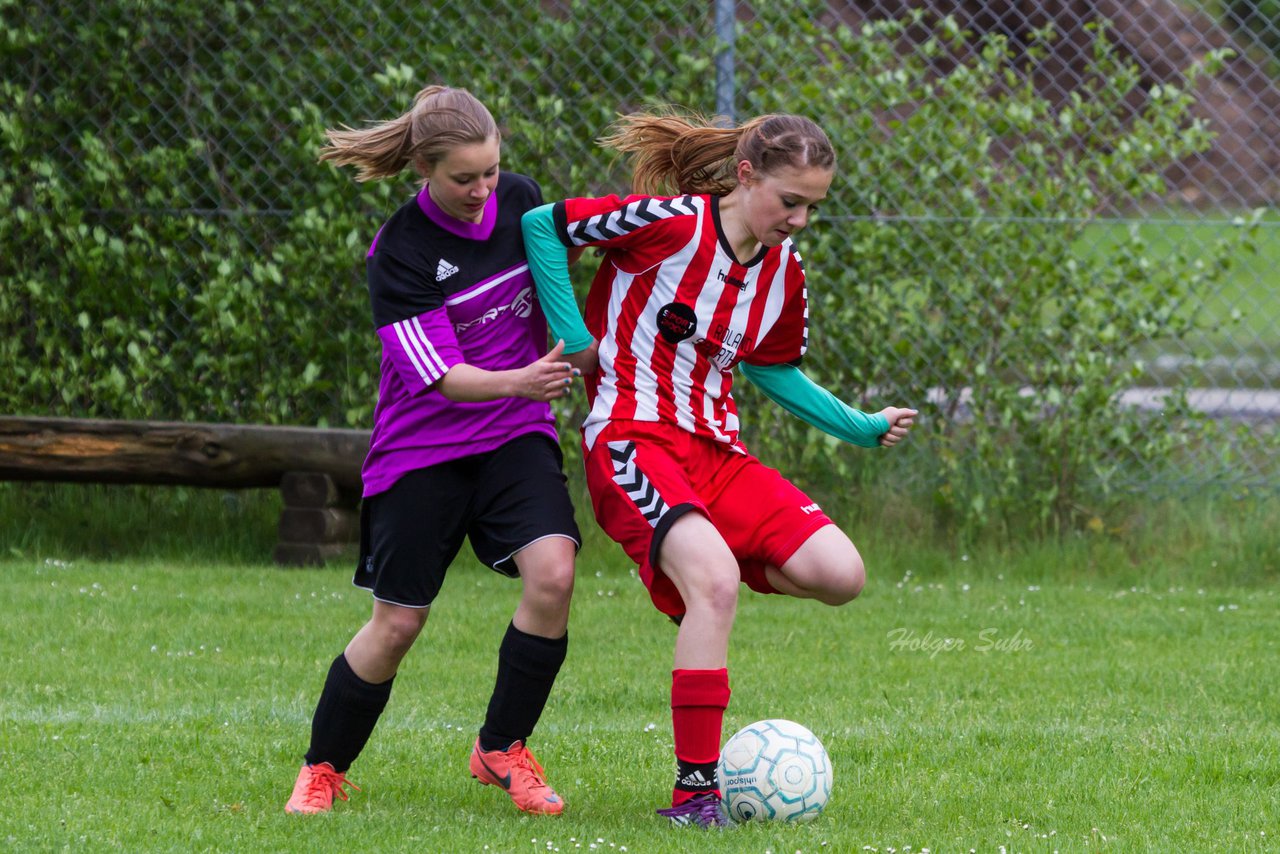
column 643, row 476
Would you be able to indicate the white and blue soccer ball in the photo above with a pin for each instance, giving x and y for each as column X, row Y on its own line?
column 774, row 769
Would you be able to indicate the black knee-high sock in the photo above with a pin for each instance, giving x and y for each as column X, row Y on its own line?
column 349, row 708
column 527, row 668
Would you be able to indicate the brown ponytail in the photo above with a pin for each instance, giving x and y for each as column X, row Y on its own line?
column 671, row 152
column 441, row 119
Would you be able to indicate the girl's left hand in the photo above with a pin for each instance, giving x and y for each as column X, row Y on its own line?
column 900, row 421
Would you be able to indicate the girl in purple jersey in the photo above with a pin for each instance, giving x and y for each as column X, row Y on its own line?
column 463, row 445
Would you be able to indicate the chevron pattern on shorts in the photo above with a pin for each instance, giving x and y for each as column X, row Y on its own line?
column 634, row 483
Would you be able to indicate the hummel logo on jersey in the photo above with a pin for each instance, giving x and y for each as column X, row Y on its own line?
column 695, row 781
column 444, row 270
column 811, row 508
column 731, row 279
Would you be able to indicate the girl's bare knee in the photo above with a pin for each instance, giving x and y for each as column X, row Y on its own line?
column 855, row 578
column 715, row 594
column 399, row 629
column 553, row 583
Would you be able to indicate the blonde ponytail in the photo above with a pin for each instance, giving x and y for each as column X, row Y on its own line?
column 441, row 119
column 686, row 153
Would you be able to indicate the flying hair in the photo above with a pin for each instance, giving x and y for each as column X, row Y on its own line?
column 673, row 152
column 441, row 119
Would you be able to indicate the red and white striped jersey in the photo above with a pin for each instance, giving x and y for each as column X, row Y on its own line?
column 674, row 311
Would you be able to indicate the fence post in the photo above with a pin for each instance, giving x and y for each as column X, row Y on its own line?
column 725, row 30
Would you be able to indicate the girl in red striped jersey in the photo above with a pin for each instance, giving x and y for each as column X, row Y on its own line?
column 691, row 286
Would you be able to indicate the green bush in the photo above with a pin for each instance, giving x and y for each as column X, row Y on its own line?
column 954, row 284
column 172, row 249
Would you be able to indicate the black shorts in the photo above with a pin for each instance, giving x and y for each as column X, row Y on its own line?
column 503, row 500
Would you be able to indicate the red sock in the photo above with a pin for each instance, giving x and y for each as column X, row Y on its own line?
column 698, row 701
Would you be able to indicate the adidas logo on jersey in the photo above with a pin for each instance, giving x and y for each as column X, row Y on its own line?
column 444, row 270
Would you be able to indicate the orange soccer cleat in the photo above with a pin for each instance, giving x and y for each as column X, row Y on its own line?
column 519, row 774
column 315, row 788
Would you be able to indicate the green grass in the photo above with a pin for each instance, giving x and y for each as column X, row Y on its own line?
column 108, row 522
column 1238, row 322
column 159, row 701
column 1251, row 285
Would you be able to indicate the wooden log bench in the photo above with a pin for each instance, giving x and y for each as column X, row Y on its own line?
column 316, row 470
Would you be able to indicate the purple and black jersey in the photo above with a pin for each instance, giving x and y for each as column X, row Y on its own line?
column 446, row 292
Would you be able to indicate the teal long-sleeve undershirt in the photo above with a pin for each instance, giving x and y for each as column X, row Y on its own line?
column 787, row 386
column 549, row 266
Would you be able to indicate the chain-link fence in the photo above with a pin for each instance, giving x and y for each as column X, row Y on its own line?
column 172, row 250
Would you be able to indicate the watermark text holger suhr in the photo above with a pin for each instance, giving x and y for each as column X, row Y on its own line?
column 989, row 640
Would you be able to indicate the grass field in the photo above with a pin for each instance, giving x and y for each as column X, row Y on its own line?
column 1080, row 696
column 1237, row 341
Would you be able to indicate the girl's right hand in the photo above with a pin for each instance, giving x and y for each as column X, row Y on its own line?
column 549, row 378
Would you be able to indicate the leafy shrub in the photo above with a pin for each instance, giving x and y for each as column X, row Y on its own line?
column 954, row 284
column 172, row 249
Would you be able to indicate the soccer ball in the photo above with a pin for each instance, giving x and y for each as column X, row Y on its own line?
column 774, row 769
